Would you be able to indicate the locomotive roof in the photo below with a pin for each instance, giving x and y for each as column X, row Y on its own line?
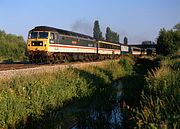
column 61, row 31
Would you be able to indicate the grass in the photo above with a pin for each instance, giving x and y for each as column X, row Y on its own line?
column 25, row 96
column 160, row 101
column 25, row 100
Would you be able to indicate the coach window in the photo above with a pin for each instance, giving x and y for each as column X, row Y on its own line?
column 95, row 45
column 100, row 45
column 63, row 38
column 110, row 46
column 56, row 36
column 103, row 45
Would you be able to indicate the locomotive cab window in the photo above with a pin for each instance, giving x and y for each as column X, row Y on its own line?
column 33, row 35
column 52, row 36
column 43, row 35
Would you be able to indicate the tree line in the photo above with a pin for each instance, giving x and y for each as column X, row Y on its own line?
column 12, row 47
column 110, row 35
column 168, row 41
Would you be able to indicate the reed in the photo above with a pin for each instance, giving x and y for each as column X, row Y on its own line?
column 160, row 103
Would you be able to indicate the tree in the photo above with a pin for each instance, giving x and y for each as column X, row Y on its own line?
column 177, row 26
column 167, row 42
column 12, row 47
column 111, row 36
column 97, row 34
column 115, row 37
column 177, row 38
column 125, row 40
column 108, row 34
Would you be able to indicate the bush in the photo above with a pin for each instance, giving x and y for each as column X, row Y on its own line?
column 168, row 41
column 160, row 105
column 12, row 47
column 127, row 63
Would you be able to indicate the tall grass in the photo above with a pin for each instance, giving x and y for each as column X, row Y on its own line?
column 25, row 97
column 31, row 96
column 160, row 103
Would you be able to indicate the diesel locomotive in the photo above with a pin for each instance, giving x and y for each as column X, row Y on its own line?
column 51, row 45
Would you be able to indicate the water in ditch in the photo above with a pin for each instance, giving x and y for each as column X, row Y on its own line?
column 102, row 111
column 108, row 116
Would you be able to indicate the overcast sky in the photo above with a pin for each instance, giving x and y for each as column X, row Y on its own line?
column 139, row 20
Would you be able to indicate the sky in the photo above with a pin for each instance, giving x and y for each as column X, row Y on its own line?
column 139, row 20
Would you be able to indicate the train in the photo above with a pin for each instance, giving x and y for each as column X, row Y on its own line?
column 52, row 45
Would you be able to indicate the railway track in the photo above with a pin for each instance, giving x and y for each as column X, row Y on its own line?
column 21, row 65
column 16, row 66
column 7, row 71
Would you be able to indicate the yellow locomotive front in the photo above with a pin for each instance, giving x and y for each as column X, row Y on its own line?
column 37, row 45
